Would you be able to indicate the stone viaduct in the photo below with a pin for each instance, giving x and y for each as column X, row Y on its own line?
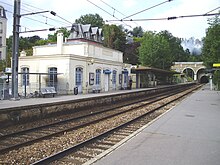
column 196, row 70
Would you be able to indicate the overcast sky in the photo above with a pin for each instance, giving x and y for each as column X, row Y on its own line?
column 73, row 9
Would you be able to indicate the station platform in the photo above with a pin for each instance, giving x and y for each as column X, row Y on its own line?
column 59, row 98
column 189, row 134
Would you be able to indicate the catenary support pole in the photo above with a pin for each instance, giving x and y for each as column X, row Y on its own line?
column 16, row 25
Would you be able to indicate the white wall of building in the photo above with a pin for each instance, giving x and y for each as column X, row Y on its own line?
column 66, row 57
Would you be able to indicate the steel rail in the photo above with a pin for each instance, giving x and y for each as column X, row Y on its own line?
column 22, row 144
column 69, row 150
column 18, row 145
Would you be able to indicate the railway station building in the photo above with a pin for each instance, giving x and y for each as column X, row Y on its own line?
column 80, row 62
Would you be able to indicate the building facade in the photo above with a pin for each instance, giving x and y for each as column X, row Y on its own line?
column 77, row 63
column 3, row 28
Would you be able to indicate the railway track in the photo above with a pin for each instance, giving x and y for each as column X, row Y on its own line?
column 86, row 122
column 88, row 151
column 25, row 137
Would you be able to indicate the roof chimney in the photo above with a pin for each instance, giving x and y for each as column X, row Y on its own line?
column 59, row 43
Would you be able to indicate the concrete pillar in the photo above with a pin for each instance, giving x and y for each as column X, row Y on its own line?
column 195, row 76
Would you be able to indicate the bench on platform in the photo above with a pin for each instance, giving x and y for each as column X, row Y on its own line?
column 96, row 89
column 48, row 91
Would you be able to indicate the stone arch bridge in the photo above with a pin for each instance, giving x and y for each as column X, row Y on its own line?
column 196, row 70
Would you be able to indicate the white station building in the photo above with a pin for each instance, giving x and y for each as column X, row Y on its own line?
column 81, row 61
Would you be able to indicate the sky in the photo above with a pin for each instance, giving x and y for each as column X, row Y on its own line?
column 69, row 10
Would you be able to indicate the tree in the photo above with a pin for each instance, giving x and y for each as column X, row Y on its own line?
column 211, row 43
column 177, row 52
column 137, row 32
column 216, row 79
column 2, row 65
column 53, row 37
column 114, row 37
column 155, row 51
column 131, row 53
column 94, row 19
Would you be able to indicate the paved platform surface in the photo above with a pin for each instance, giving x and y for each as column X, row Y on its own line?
column 58, row 98
column 189, row 134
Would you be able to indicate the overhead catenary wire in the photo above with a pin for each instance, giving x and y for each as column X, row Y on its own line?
column 6, row 3
column 212, row 10
column 32, row 19
column 146, row 9
column 29, row 30
column 25, row 16
column 51, row 12
column 40, row 30
column 106, row 12
column 114, row 9
column 28, row 9
column 43, row 9
column 169, row 18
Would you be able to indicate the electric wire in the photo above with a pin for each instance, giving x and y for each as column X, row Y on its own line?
column 107, row 12
column 49, row 18
column 32, row 20
column 55, row 20
column 212, row 10
column 43, row 9
column 30, row 10
column 25, row 8
column 147, row 9
column 112, row 7
column 6, row 3
column 171, row 18
column 115, row 9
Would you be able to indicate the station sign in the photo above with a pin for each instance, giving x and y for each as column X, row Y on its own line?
column 216, row 65
column 8, row 70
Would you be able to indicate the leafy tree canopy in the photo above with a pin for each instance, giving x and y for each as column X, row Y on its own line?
column 177, row 52
column 137, row 32
column 211, row 43
column 93, row 19
column 131, row 53
column 114, row 37
column 53, row 37
column 154, row 51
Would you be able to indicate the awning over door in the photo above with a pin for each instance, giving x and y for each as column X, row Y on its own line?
column 106, row 71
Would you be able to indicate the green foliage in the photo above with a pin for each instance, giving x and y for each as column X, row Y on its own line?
column 131, row 53
column 53, row 38
column 25, row 43
column 211, row 46
column 216, row 79
column 194, row 58
column 137, row 32
column 114, row 37
column 177, row 52
column 155, row 51
column 161, row 49
column 2, row 65
column 93, row 19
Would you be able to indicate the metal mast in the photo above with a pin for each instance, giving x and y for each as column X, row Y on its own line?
column 16, row 25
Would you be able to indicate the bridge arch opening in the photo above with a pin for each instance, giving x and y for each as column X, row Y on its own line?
column 189, row 72
column 202, row 76
column 204, row 79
